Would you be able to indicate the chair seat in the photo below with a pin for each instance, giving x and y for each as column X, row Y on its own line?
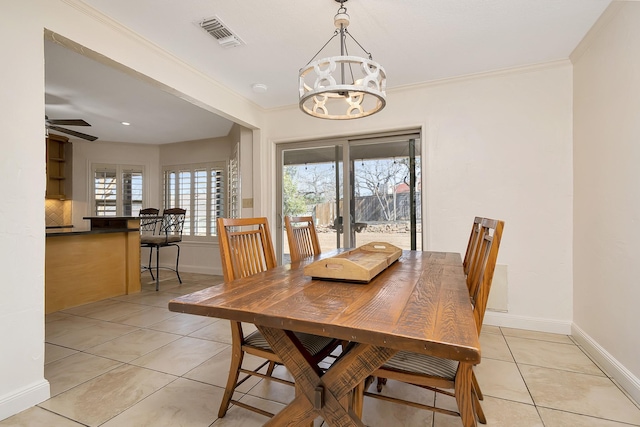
column 159, row 240
column 313, row 343
column 422, row 364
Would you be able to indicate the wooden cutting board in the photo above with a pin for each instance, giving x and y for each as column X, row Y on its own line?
column 358, row 265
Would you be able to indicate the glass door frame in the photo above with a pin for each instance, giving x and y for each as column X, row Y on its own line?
column 339, row 143
column 345, row 143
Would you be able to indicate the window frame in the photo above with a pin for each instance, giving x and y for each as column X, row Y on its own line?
column 189, row 202
column 119, row 169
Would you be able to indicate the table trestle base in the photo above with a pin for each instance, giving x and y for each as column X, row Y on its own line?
column 325, row 394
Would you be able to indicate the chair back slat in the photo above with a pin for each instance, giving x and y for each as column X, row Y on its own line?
column 246, row 247
column 489, row 250
column 474, row 279
column 477, row 255
column 249, row 253
column 302, row 237
column 472, row 245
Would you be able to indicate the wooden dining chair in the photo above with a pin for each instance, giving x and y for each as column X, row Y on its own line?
column 478, row 264
column 473, row 265
column 302, row 237
column 439, row 374
column 474, row 269
column 170, row 234
column 246, row 249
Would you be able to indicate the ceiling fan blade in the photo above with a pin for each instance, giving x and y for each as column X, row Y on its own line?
column 74, row 133
column 68, row 122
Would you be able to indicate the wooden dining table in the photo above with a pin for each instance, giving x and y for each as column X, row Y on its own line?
column 420, row 303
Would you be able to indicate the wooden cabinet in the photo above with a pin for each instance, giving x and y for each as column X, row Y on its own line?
column 59, row 156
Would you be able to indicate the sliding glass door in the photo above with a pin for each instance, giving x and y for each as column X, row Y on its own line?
column 311, row 183
column 374, row 181
column 386, row 196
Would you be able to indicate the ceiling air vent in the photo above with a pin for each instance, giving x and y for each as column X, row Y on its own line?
column 216, row 28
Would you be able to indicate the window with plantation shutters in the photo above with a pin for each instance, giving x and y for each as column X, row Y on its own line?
column 131, row 192
column 200, row 190
column 117, row 190
column 217, row 199
column 200, row 202
column 105, row 191
column 234, row 183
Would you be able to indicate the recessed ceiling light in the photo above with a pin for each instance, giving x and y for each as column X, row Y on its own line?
column 126, row 123
column 259, row 87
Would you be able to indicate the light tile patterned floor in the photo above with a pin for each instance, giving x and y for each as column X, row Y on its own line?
column 128, row 361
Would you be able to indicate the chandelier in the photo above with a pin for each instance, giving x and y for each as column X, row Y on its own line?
column 342, row 87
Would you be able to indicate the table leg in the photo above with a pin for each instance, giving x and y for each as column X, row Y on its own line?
column 463, row 386
column 298, row 393
column 357, row 398
column 325, row 394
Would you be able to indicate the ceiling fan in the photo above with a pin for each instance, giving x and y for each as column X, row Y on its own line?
column 53, row 125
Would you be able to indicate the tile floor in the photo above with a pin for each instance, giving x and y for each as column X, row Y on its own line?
column 128, row 361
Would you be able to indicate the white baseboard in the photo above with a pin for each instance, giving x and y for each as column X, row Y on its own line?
column 25, row 398
column 495, row 318
column 612, row 367
column 629, row 382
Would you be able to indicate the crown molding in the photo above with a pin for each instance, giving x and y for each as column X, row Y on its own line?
column 485, row 74
column 467, row 77
column 603, row 21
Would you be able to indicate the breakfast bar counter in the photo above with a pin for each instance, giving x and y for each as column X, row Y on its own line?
column 53, row 232
column 88, row 265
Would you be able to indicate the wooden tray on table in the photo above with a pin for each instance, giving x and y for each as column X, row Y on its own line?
column 358, row 265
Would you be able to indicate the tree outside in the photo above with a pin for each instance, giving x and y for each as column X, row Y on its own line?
column 382, row 199
column 293, row 202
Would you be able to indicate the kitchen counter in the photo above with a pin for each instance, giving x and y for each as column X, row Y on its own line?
column 110, row 222
column 84, row 265
column 51, row 232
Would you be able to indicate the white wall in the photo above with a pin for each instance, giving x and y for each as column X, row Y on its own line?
column 607, row 194
column 22, row 168
column 205, row 150
column 497, row 145
column 22, row 173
